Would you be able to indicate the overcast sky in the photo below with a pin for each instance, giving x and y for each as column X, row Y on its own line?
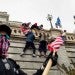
column 37, row 10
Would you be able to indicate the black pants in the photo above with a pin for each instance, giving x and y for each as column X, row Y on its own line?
column 42, row 46
column 29, row 44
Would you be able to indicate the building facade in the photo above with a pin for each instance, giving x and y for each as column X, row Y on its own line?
column 28, row 63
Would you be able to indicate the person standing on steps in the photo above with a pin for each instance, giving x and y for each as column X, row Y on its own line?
column 42, row 45
column 63, row 35
column 29, row 43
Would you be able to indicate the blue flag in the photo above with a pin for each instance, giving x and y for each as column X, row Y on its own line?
column 58, row 23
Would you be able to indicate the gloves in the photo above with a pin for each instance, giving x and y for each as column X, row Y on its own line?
column 54, row 59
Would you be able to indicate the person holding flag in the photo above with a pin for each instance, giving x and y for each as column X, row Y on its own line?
column 51, row 60
column 58, row 23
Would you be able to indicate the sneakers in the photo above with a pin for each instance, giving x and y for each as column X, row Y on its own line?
column 34, row 55
column 40, row 55
column 22, row 54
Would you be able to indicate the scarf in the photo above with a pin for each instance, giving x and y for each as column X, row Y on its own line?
column 4, row 45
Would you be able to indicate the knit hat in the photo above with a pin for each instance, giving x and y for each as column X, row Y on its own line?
column 35, row 24
column 5, row 28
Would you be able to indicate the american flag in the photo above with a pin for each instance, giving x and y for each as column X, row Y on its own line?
column 55, row 45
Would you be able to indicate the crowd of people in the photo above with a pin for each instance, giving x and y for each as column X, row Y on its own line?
column 30, row 37
column 7, row 65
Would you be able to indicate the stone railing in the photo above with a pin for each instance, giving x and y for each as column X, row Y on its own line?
column 70, row 37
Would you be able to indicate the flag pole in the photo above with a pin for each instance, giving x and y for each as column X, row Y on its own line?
column 49, row 64
column 46, row 70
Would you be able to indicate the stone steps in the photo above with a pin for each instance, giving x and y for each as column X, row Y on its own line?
column 30, row 64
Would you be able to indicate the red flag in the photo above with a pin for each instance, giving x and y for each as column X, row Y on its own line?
column 55, row 45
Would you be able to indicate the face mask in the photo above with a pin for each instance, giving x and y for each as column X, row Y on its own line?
column 4, row 45
column 6, row 36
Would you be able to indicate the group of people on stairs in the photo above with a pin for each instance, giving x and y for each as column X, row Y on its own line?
column 30, row 37
column 9, row 66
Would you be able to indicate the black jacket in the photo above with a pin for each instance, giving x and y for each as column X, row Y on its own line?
column 14, row 68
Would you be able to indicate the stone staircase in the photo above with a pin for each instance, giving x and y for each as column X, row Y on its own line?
column 30, row 64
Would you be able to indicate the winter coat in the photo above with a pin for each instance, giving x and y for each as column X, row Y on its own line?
column 9, row 67
column 30, row 37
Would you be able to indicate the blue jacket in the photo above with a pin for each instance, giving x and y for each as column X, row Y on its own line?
column 30, row 37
